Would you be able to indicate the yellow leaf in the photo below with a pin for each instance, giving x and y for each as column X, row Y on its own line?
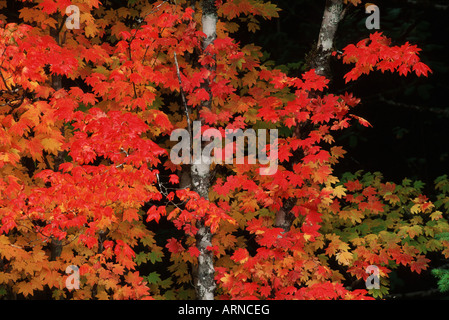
column 343, row 246
column 4, row 240
column 414, row 231
column 371, row 237
column 436, row 215
column 416, row 209
column 102, row 295
column 91, row 28
column 344, row 258
column 253, row 27
column 339, row 191
column 358, row 241
column 4, row 277
column 25, row 288
column 353, row 214
column 51, row 145
column 392, row 198
column 232, row 27
column 337, row 152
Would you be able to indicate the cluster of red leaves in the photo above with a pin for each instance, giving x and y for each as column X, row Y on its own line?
column 376, row 52
column 286, row 264
column 282, row 264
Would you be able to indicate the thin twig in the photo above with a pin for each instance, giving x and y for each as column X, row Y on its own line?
column 184, row 102
column 161, row 187
column 4, row 82
column 443, row 112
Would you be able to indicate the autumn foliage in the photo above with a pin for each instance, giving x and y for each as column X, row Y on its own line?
column 86, row 179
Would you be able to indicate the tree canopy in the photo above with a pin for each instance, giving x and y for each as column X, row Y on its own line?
column 91, row 96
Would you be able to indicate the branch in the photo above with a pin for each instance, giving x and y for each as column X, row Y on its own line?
column 155, row 9
column 163, row 191
column 4, row 82
column 443, row 112
column 183, row 97
column 427, row 3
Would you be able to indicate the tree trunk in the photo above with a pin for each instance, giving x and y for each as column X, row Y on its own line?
column 320, row 61
column 56, row 83
column 333, row 14
column 200, row 175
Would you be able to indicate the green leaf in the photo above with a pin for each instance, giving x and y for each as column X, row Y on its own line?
column 406, row 182
column 153, row 278
column 3, row 291
column 148, row 241
column 443, row 279
column 141, row 257
column 418, row 185
column 155, row 256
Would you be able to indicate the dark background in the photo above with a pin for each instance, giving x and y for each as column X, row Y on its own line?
column 409, row 115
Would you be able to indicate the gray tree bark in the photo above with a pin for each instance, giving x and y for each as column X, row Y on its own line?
column 200, row 175
column 333, row 13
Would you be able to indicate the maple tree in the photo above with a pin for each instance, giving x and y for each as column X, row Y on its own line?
column 86, row 177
